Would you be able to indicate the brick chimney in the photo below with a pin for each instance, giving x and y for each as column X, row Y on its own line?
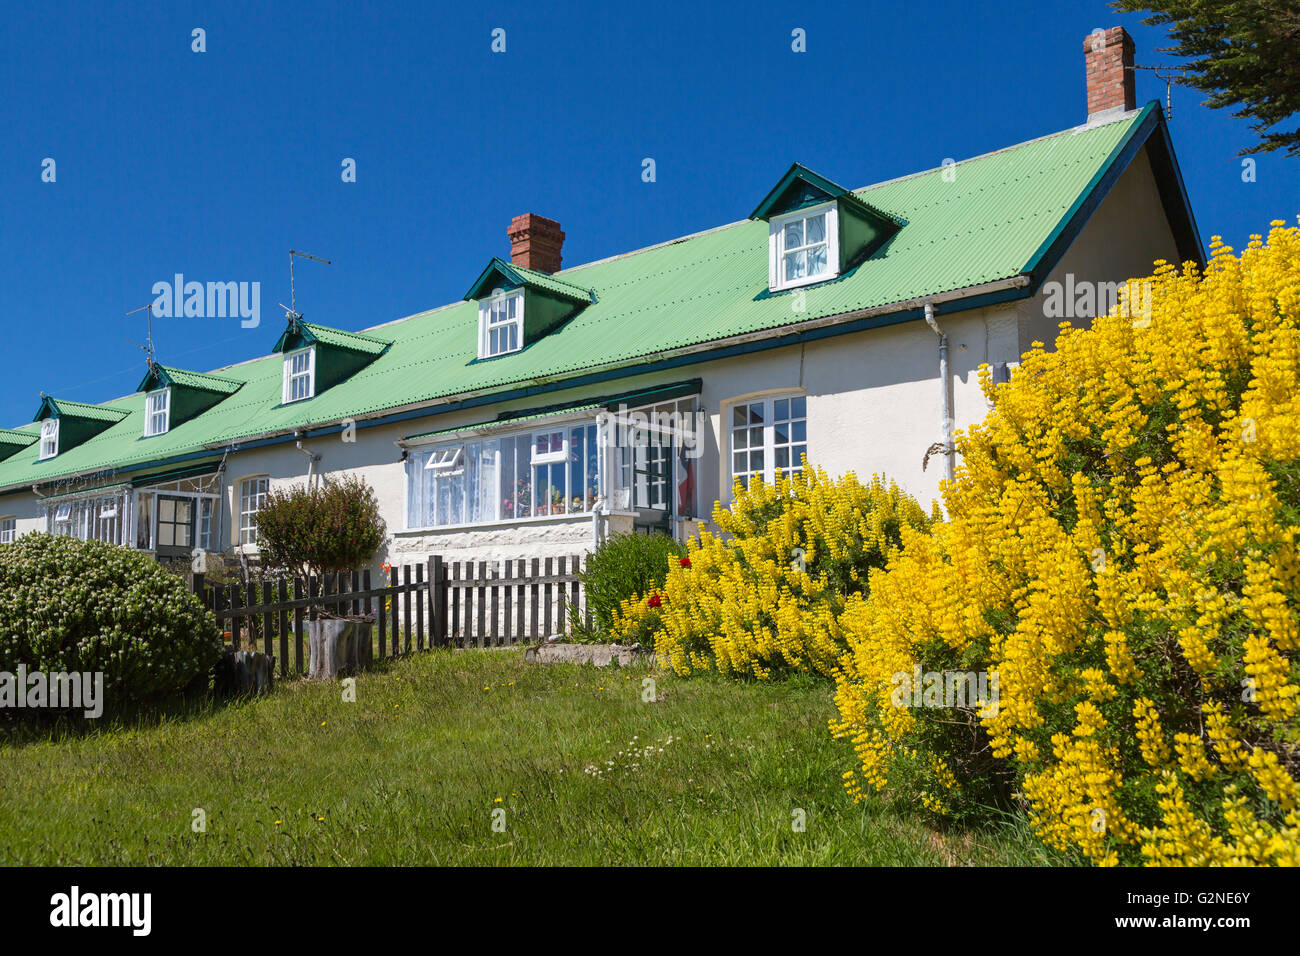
column 1108, row 63
column 535, row 242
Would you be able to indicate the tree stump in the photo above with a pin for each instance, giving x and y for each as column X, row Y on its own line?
column 337, row 647
column 243, row 673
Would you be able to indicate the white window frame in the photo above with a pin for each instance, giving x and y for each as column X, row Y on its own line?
column 553, row 455
column 49, row 438
column 161, row 396
column 248, row 516
column 777, row 251
column 290, row 376
column 447, row 461
column 8, row 529
column 768, row 474
column 486, row 325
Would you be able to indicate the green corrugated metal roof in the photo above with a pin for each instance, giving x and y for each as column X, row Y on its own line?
column 637, row 397
column 983, row 225
column 502, row 424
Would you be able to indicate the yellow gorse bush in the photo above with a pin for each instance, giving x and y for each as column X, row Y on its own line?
column 764, row 593
column 1122, row 555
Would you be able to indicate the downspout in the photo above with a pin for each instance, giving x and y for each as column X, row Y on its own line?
column 601, row 507
column 945, row 389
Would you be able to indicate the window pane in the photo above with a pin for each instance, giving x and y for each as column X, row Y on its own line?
column 799, row 406
column 793, row 234
column 783, row 458
column 794, row 265
column 816, row 260
column 815, row 228
column 739, row 415
column 756, row 413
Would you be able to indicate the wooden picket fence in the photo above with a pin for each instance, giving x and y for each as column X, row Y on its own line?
column 438, row 604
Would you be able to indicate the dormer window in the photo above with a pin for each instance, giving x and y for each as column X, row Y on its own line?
column 501, row 324
column 299, row 375
column 804, row 247
column 157, row 412
column 818, row 230
column 49, row 438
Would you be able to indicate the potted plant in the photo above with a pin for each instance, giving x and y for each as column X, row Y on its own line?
column 327, row 532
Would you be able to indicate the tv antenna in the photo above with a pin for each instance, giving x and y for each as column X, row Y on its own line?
column 1170, row 79
column 292, row 312
column 148, row 348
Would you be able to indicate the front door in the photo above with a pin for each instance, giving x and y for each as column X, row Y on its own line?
column 652, row 478
column 175, row 526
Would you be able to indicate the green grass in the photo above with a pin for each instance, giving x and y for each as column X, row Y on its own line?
column 411, row 773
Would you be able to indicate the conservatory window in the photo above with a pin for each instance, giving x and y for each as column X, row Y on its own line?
column 804, row 247
column 495, row 479
column 157, row 413
column 448, row 460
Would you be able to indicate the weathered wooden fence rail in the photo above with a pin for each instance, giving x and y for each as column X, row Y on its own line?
column 438, row 604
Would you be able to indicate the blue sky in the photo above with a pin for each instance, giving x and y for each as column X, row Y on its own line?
column 215, row 164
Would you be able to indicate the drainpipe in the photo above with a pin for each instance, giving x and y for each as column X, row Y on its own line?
column 601, row 507
column 312, row 460
column 945, row 389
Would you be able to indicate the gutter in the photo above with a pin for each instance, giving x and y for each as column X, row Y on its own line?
column 1012, row 287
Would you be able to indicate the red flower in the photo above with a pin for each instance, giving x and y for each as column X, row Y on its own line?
column 654, row 601
column 686, row 562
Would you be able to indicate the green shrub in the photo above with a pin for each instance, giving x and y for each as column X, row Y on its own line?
column 623, row 566
column 75, row 606
column 320, row 531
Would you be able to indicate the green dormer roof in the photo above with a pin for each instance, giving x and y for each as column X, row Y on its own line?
column 500, row 274
column 300, row 334
column 10, row 436
column 162, row 376
column 62, row 408
column 12, row 442
column 800, row 187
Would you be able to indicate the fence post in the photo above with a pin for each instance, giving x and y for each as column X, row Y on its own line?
column 437, row 602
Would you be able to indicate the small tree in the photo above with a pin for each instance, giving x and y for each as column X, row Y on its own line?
column 321, row 531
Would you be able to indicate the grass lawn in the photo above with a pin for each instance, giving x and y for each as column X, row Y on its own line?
column 412, row 771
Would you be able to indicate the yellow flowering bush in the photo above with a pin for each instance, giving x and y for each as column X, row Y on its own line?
column 1121, row 554
column 764, row 594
